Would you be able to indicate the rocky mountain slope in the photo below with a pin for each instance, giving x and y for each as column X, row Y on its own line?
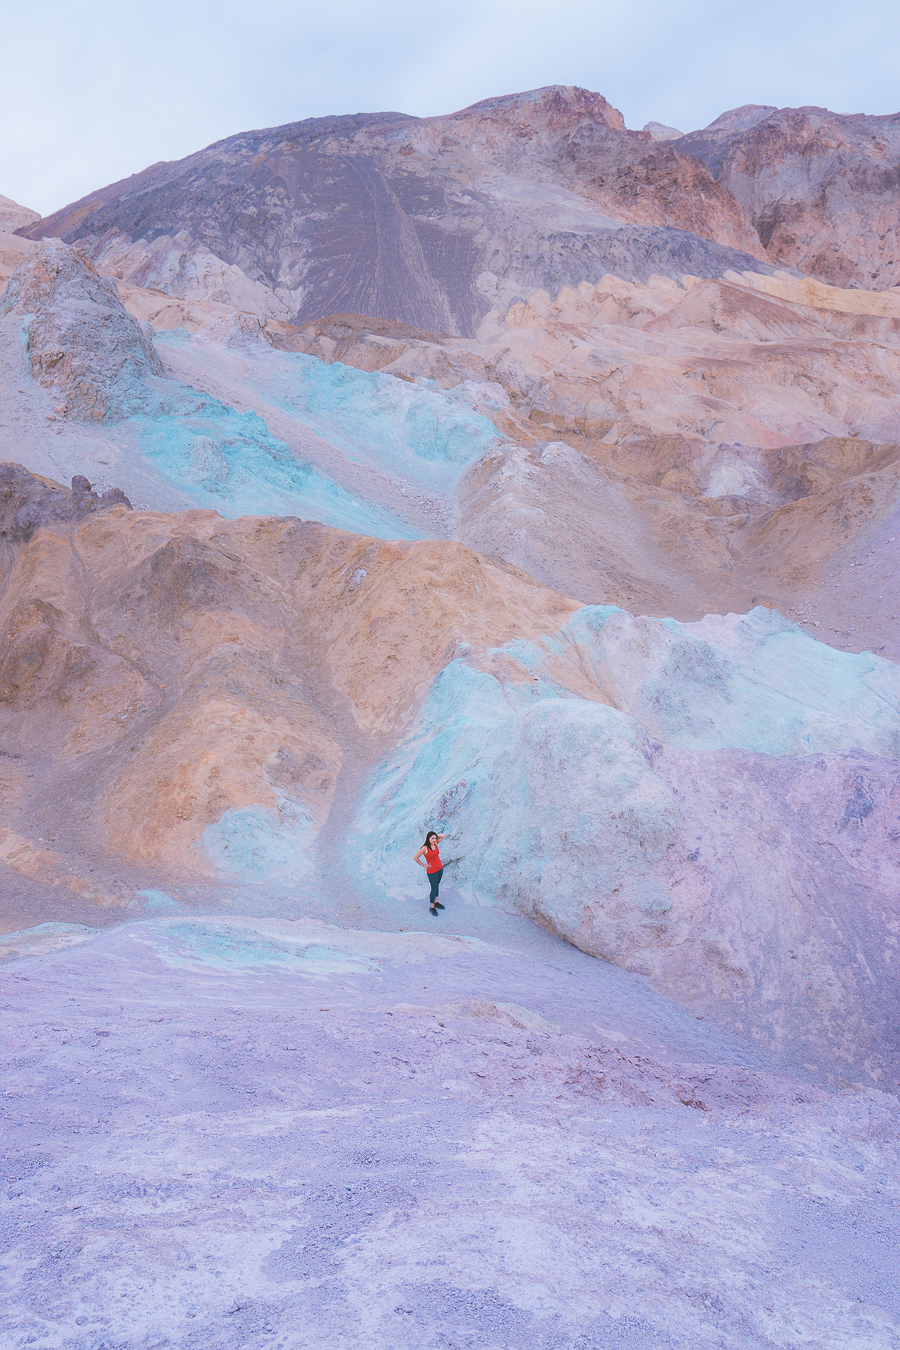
column 480, row 473
column 259, row 699
column 431, row 222
column 669, row 448
column 820, row 188
column 434, row 221
column 664, row 436
column 186, row 691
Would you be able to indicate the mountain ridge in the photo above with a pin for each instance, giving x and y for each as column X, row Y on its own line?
column 399, row 218
column 404, row 241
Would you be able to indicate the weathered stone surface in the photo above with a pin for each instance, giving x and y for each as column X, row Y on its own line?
column 713, row 142
column 81, row 342
column 192, row 674
column 432, row 222
column 822, row 189
column 13, row 251
column 660, row 132
column 15, row 217
column 669, row 448
column 680, row 449
column 713, row 805
column 311, row 1108
column 429, row 222
column 27, row 502
column 202, row 698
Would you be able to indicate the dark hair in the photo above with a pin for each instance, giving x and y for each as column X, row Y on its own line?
column 428, row 836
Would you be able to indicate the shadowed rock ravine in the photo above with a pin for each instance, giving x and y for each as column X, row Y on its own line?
column 522, row 477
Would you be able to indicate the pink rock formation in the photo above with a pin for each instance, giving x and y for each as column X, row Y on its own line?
column 820, row 188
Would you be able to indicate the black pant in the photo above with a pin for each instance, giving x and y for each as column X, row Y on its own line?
column 435, row 879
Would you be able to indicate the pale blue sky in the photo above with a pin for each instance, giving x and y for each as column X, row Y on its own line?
column 94, row 91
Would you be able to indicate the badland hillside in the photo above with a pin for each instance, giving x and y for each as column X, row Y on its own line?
column 525, row 477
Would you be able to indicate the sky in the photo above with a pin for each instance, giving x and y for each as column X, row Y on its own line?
column 93, row 92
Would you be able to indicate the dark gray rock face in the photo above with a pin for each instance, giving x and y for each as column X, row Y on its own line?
column 28, row 502
column 429, row 222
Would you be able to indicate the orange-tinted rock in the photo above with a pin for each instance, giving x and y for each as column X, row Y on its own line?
column 162, row 671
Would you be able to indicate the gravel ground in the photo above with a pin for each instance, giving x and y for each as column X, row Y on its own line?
column 247, row 1132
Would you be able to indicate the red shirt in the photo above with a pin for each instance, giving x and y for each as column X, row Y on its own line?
column 433, row 859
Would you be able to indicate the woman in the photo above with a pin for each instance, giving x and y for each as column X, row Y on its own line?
column 433, row 866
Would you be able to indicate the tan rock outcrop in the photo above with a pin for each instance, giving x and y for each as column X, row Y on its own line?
column 15, row 217
column 678, row 448
column 161, row 672
column 13, row 251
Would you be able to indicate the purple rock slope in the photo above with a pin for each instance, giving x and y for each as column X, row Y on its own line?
column 431, row 222
column 246, row 1134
